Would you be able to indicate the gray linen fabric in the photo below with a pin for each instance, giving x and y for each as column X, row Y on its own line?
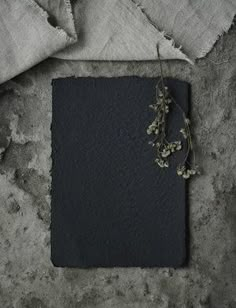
column 116, row 30
column 122, row 30
column 194, row 24
column 130, row 29
column 28, row 35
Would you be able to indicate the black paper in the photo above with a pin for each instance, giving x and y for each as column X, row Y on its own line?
column 111, row 204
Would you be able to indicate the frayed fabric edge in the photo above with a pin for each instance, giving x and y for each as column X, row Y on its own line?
column 162, row 32
column 65, row 38
column 70, row 13
column 70, row 38
column 204, row 50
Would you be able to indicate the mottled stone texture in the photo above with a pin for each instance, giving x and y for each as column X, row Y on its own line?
column 27, row 277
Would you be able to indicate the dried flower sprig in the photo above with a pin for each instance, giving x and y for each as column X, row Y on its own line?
column 185, row 169
column 164, row 148
column 158, row 128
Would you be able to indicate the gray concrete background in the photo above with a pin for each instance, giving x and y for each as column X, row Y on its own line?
column 27, row 277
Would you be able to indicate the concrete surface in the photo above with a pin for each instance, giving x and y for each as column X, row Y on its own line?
column 27, row 277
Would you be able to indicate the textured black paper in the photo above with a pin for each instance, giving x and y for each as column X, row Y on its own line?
column 111, row 204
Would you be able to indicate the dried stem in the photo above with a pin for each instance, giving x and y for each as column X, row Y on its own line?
column 158, row 127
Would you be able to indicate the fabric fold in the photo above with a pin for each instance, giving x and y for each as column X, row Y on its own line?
column 117, row 30
column 29, row 34
column 108, row 30
column 126, row 30
column 194, row 25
